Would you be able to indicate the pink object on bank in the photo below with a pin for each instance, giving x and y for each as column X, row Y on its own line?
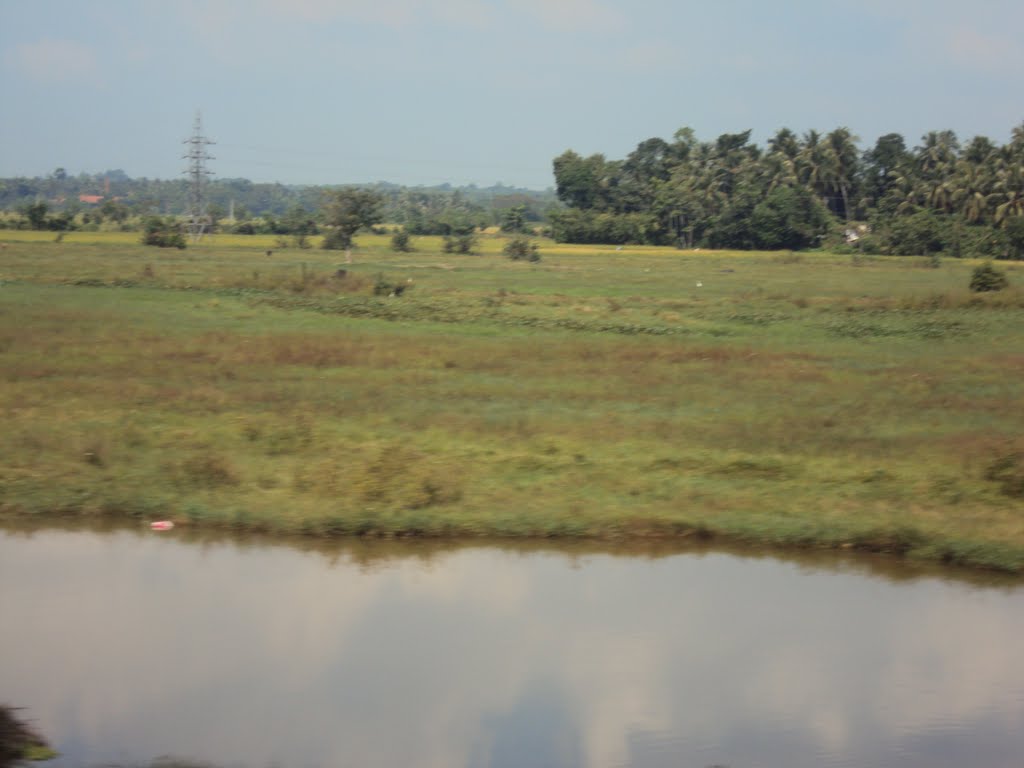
column 161, row 525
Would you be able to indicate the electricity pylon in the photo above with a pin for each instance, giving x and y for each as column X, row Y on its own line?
column 197, row 156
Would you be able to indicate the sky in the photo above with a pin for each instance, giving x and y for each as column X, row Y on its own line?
column 481, row 91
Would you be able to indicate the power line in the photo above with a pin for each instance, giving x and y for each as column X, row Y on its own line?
column 198, row 219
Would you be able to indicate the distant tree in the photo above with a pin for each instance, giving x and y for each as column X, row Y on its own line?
column 36, row 214
column 114, row 211
column 884, row 162
column 514, row 219
column 584, row 182
column 979, row 150
column 784, row 143
column 918, row 234
column 1009, row 193
column 345, row 212
column 1013, row 230
column 789, row 217
column 298, row 221
column 214, row 213
column 843, row 162
column 640, row 175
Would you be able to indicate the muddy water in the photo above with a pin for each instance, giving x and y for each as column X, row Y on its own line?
column 127, row 646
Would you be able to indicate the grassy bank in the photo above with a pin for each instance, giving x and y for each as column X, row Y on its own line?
column 809, row 400
column 19, row 742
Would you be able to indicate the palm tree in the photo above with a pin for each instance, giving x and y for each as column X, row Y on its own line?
column 1009, row 191
column 784, row 143
column 972, row 190
column 811, row 162
column 780, row 164
column 843, row 162
column 937, row 154
column 935, row 165
column 1014, row 151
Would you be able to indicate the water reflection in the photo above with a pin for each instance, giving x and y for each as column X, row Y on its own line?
column 129, row 645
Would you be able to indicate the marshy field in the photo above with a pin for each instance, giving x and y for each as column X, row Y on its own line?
column 785, row 399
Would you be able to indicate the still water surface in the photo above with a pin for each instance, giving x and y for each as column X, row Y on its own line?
column 126, row 646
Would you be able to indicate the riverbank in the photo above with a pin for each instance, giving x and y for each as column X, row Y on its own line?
column 804, row 400
column 19, row 742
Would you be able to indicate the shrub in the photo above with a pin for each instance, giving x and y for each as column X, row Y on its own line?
column 576, row 226
column 400, row 241
column 163, row 233
column 521, row 249
column 458, row 243
column 917, row 234
column 336, row 240
column 384, row 287
column 988, row 278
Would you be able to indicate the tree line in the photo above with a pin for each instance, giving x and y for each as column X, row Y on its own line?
column 800, row 192
column 245, row 207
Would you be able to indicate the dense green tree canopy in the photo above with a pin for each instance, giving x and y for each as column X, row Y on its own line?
column 799, row 192
column 346, row 211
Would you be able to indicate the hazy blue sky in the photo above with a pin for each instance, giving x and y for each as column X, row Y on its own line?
column 428, row 91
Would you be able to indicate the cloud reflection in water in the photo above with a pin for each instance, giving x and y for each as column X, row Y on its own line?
column 126, row 647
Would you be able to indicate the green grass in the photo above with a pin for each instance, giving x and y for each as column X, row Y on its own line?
column 789, row 399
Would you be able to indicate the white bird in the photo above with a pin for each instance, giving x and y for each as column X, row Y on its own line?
column 700, row 284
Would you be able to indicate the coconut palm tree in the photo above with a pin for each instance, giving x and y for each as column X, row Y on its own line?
column 784, row 143
column 843, row 162
column 1008, row 188
column 811, row 164
column 972, row 194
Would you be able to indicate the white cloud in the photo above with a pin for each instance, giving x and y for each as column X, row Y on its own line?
column 55, row 61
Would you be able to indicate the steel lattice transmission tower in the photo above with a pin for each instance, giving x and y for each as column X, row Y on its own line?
column 198, row 219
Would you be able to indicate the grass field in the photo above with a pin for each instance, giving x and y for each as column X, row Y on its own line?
column 788, row 399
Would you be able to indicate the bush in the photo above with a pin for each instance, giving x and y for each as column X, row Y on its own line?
column 336, row 240
column 400, row 241
column 384, row 287
column 917, row 234
column 987, row 278
column 163, row 233
column 793, row 218
column 575, row 226
column 521, row 249
column 458, row 243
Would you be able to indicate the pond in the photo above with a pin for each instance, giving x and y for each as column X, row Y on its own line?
column 126, row 646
